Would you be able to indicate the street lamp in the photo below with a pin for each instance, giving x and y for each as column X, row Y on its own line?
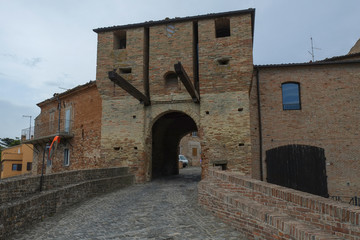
column 30, row 125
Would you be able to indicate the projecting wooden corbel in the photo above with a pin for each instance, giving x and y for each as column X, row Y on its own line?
column 184, row 78
column 121, row 82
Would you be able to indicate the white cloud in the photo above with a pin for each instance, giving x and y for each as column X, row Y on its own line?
column 46, row 46
column 33, row 62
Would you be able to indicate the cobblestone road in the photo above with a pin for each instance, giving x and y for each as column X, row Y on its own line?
column 163, row 209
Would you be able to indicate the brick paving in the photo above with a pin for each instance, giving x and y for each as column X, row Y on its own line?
column 164, row 209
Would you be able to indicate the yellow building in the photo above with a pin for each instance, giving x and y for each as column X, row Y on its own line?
column 16, row 160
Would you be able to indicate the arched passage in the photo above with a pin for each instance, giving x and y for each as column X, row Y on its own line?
column 167, row 132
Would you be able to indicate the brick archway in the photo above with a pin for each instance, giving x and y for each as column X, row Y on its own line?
column 167, row 132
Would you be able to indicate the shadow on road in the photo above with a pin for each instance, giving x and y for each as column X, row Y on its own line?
column 188, row 175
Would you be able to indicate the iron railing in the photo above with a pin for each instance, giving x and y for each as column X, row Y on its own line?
column 40, row 130
column 351, row 200
column 27, row 133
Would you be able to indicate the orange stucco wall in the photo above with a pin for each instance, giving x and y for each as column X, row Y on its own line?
column 20, row 154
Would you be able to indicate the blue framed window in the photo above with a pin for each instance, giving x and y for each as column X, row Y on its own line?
column 291, row 96
column 17, row 167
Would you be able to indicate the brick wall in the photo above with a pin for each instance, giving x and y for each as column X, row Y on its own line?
column 21, row 204
column 254, row 130
column 222, row 117
column 225, row 120
column 165, row 51
column 329, row 118
column 187, row 146
column 266, row 211
column 85, row 107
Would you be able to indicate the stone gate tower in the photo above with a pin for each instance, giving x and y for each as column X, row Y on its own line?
column 160, row 80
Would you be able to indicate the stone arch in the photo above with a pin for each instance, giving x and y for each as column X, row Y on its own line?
column 167, row 130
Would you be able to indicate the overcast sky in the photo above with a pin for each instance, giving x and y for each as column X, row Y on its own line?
column 48, row 46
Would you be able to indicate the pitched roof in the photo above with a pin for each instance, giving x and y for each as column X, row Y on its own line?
column 67, row 92
column 355, row 48
column 342, row 57
column 317, row 63
column 348, row 58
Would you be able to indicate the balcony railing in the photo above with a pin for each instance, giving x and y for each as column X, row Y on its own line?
column 27, row 133
column 351, row 200
column 47, row 129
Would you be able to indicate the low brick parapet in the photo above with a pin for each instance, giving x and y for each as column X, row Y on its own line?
column 60, row 190
column 17, row 188
column 266, row 211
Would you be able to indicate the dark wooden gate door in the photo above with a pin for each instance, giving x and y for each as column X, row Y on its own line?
column 299, row 167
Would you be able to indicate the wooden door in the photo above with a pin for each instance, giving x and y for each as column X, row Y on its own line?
column 299, row 167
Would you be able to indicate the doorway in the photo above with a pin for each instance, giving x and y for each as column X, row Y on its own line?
column 299, row 167
column 167, row 132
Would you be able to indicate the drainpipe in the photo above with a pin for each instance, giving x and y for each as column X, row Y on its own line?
column 43, row 166
column 59, row 108
column 260, row 125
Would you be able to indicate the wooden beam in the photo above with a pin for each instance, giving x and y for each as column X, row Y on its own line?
column 121, row 82
column 184, row 78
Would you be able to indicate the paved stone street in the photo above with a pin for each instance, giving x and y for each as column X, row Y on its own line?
column 162, row 209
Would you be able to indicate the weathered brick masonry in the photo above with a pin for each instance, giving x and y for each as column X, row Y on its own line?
column 266, row 211
column 329, row 117
column 110, row 127
column 21, row 203
column 81, row 130
column 238, row 121
column 221, row 70
column 222, row 117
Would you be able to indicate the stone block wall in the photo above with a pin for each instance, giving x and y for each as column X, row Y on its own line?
column 13, row 189
column 266, row 211
column 22, row 204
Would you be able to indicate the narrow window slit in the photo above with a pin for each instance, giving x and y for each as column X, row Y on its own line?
column 126, row 70
column 223, row 61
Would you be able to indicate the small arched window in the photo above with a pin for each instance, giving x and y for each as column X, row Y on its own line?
column 291, row 96
column 171, row 80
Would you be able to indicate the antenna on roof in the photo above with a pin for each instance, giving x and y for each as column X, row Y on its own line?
column 63, row 88
column 312, row 49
